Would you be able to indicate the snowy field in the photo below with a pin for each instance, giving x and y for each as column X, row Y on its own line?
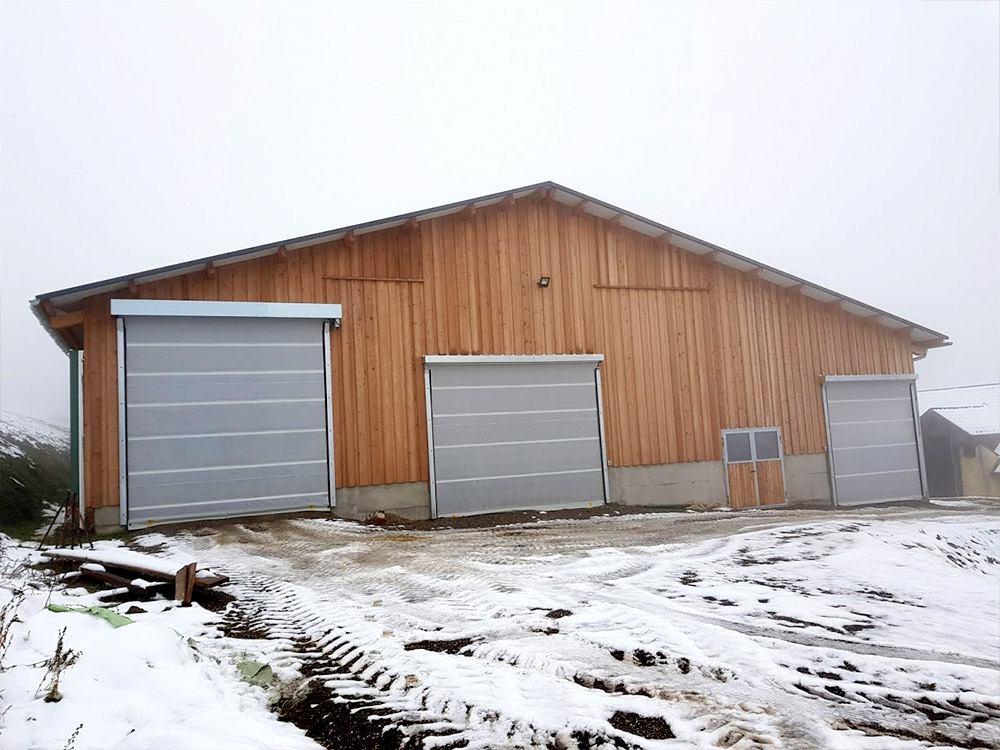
column 791, row 629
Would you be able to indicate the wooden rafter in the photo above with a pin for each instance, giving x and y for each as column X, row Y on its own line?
column 59, row 322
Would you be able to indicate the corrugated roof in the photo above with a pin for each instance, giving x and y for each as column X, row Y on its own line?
column 974, row 409
column 70, row 299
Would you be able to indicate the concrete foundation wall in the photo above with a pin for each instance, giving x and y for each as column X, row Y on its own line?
column 408, row 499
column 807, row 478
column 107, row 519
column 668, row 484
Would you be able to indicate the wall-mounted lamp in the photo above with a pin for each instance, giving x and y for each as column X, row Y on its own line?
column 543, row 282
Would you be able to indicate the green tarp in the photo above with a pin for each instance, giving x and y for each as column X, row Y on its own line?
column 104, row 613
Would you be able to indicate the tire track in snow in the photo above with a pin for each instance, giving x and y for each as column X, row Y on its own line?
column 322, row 581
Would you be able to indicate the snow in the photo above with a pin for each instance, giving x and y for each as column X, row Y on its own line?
column 127, row 559
column 788, row 629
column 144, row 685
column 973, row 409
column 22, row 429
column 787, row 635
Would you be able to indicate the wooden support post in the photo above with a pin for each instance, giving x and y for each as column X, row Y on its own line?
column 184, row 584
column 578, row 209
column 412, row 225
column 349, row 239
column 468, row 213
column 507, row 203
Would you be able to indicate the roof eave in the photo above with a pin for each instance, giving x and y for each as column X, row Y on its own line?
column 919, row 335
column 39, row 313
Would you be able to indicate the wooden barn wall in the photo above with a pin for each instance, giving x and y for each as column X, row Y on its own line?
column 691, row 346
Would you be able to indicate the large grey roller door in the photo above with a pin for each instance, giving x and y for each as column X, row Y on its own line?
column 224, row 416
column 519, row 433
column 874, row 440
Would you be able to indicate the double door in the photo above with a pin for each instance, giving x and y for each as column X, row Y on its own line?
column 755, row 475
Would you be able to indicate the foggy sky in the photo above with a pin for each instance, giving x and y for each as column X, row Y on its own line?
column 855, row 145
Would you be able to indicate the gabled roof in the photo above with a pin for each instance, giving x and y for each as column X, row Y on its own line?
column 69, row 299
column 974, row 409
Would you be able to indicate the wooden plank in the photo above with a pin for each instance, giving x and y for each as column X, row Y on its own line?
column 742, row 490
column 375, row 278
column 770, row 483
column 654, row 288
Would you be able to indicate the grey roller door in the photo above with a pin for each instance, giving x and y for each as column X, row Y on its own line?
column 874, row 444
column 224, row 416
column 516, row 435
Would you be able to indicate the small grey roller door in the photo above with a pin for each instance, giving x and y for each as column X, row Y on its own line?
column 874, row 444
column 515, row 436
column 224, row 416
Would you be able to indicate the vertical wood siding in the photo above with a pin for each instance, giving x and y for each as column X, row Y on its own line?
column 691, row 346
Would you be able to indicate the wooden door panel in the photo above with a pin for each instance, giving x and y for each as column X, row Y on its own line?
column 742, row 490
column 770, row 483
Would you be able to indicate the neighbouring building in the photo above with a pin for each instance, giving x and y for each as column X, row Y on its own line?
column 535, row 348
column 961, row 433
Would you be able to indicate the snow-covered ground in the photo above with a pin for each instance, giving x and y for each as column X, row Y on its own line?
column 149, row 684
column 873, row 628
column 16, row 430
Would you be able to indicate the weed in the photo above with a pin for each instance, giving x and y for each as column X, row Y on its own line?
column 72, row 738
column 55, row 665
column 8, row 616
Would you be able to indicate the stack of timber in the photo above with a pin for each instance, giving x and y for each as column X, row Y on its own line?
column 185, row 576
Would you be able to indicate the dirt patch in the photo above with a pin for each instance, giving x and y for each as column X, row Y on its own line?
column 689, row 578
column 337, row 725
column 447, row 647
column 873, row 729
column 525, row 516
column 557, row 613
column 213, row 600
column 650, row 727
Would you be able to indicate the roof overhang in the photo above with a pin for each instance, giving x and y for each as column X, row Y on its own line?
column 70, row 299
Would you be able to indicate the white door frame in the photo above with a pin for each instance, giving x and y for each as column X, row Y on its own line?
column 508, row 359
column 122, row 308
column 912, row 377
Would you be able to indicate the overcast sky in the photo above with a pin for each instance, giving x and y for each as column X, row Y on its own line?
column 853, row 144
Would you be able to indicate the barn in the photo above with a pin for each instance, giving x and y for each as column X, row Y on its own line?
column 531, row 349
